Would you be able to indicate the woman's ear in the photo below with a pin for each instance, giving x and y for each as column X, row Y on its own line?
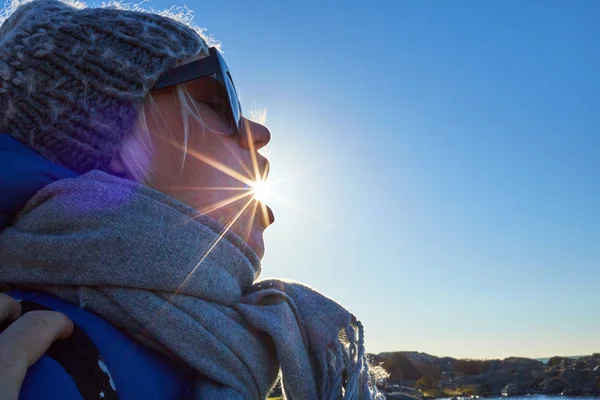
column 117, row 166
column 132, row 161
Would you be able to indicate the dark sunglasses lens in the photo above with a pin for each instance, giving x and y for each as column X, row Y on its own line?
column 233, row 99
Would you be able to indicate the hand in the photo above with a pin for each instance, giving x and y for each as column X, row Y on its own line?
column 24, row 342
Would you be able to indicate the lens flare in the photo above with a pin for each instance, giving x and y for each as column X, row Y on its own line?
column 261, row 191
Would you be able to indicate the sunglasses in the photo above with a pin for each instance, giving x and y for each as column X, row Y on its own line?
column 225, row 91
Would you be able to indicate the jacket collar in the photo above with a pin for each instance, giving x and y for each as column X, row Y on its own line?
column 23, row 172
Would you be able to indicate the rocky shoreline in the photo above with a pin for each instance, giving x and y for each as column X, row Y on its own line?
column 421, row 376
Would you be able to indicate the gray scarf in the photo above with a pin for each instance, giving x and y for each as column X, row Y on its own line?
column 155, row 268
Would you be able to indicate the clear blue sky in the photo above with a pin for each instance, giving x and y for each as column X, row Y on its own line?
column 441, row 164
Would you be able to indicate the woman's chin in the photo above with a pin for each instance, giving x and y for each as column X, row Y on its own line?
column 253, row 236
column 256, row 242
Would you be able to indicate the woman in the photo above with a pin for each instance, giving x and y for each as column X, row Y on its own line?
column 124, row 141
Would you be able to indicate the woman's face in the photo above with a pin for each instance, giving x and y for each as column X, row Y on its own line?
column 214, row 179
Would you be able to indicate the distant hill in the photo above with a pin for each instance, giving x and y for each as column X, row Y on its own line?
column 419, row 375
column 545, row 360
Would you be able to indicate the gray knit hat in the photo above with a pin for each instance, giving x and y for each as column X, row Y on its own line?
column 72, row 79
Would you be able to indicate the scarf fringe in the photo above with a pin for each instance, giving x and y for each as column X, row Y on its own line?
column 348, row 374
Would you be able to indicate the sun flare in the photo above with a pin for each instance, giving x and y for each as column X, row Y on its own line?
column 261, row 191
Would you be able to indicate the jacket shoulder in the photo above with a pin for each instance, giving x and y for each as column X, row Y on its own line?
column 46, row 379
column 134, row 370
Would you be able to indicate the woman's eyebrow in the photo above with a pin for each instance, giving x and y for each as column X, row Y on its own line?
column 204, row 85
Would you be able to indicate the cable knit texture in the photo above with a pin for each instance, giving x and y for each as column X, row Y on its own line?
column 72, row 79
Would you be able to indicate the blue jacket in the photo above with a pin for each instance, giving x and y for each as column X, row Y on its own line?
column 137, row 372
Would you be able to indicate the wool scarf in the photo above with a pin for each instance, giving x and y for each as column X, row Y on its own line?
column 176, row 281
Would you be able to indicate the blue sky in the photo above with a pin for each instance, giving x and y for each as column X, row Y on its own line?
column 440, row 164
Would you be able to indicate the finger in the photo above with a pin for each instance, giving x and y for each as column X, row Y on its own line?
column 35, row 331
column 24, row 342
column 9, row 307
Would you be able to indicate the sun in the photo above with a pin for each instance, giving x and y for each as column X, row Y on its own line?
column 261, row 191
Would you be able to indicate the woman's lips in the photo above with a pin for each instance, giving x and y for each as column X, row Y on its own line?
column 270, row 214
column 263, row 214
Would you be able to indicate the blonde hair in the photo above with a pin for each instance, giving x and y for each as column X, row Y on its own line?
column 136, row 152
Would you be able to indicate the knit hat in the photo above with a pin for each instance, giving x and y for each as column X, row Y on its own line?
column 72, row 79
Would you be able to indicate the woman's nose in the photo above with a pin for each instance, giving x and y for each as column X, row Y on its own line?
column 254, row 135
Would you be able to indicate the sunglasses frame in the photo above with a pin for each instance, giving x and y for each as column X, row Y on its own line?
column 214, row 64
